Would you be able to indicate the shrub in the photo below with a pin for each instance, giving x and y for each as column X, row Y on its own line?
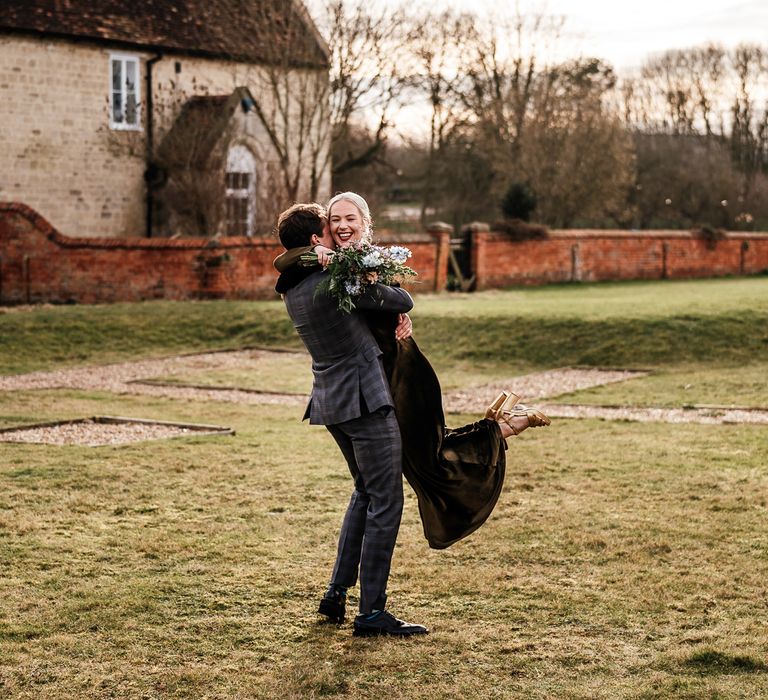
column 519, row 230
column 519, row 202
column 709, row 235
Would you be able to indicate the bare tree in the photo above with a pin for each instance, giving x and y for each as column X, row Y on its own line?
column 749, row 134
column 436, row 42
column 502, row 62
column 293, row 107
column 683, row 89
column 367, row 78
column 576, row 154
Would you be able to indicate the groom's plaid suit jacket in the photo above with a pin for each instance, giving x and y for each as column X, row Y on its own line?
column 349, row 377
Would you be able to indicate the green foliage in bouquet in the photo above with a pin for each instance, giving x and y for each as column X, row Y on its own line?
column 353, row 268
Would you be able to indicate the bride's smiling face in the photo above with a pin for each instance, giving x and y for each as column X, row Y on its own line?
column 346, row 222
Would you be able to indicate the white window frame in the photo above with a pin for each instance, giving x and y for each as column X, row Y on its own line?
column 241, row 160
column 124, row 60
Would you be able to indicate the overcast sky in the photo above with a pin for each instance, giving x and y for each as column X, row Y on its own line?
column 625, row 33
column 622, row 33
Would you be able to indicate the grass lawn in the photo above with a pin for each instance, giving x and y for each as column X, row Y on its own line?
column 624, row 560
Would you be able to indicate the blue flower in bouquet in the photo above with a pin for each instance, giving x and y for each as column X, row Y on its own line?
column 353, row 288
column 399, row 254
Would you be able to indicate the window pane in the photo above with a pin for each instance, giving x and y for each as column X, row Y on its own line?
column 130, row 76
column 130, row 109
column 117, row 107
column 237, row 216
column 131, row 113
column 117, row 75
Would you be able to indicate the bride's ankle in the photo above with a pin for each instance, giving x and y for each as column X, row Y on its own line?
column 513, row 426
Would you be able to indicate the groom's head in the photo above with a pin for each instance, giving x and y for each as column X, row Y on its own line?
column 301, row 225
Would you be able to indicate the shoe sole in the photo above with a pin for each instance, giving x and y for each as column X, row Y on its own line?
column 357, row 632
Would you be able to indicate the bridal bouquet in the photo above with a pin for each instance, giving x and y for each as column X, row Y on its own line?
column 358, row 265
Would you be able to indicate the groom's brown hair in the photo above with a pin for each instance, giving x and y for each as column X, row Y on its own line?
column 297, row 224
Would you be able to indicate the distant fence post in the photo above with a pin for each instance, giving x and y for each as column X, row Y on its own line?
column 743, row 248
column 575, row 263
column 478, row 233
column 441, row 233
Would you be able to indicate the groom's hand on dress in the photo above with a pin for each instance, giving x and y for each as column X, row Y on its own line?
column 404, row 327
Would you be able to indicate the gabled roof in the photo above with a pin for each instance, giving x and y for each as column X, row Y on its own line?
column 257, row 31
column 202, row 122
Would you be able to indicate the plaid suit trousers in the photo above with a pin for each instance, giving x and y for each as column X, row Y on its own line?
column 372, row 447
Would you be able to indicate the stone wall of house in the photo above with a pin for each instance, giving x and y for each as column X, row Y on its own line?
column 39, row 264
column 57, row 151
column 53, row 150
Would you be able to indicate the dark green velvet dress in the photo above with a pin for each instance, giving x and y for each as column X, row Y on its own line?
column 457, row 474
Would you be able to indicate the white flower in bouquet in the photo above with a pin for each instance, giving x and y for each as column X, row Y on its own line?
column 372, row 260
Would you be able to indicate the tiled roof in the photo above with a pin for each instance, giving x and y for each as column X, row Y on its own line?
column 271, row 31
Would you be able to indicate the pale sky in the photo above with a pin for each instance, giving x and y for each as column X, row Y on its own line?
column 624, row 33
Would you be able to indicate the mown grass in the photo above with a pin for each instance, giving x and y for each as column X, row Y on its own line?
column 623, row 560
column 685, row 384
column 638, row 324
column 283, row 372
column 70, row 335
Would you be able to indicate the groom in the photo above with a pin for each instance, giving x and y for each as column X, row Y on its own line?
column 351, row 397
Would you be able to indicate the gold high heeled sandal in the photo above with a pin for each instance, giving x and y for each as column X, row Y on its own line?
column 505, row 407
column 496, row 404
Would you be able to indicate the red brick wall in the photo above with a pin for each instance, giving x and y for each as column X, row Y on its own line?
column 39, row 264
column 592, row 256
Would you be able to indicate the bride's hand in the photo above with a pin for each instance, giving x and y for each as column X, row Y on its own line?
column 324, row 255
column 404, row 327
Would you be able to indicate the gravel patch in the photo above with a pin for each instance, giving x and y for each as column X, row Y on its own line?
column 534, row 387
column 659, row 415
column 126, row 378
column 96, row 433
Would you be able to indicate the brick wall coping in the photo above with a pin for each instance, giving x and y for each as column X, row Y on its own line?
column 382, row 235
column 52, row 234
column 386, row 236
column 637, row 233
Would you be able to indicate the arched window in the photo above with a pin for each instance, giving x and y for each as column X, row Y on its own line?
column 240, row 191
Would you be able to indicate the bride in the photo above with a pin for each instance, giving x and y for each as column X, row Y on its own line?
column 457, row 474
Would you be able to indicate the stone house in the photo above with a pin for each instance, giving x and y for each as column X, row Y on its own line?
column 162, row 118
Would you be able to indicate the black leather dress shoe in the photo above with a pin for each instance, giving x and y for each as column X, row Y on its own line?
column 384, row 623
column 334, row 603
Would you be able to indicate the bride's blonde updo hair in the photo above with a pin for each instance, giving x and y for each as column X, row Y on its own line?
column 362, row 207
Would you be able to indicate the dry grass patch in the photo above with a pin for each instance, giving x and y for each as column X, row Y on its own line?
column 623, row 560
column 684, row 385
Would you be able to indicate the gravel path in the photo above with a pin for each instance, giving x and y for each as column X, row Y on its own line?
column 93, row 434
column 125, row 378
column 534, row 387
